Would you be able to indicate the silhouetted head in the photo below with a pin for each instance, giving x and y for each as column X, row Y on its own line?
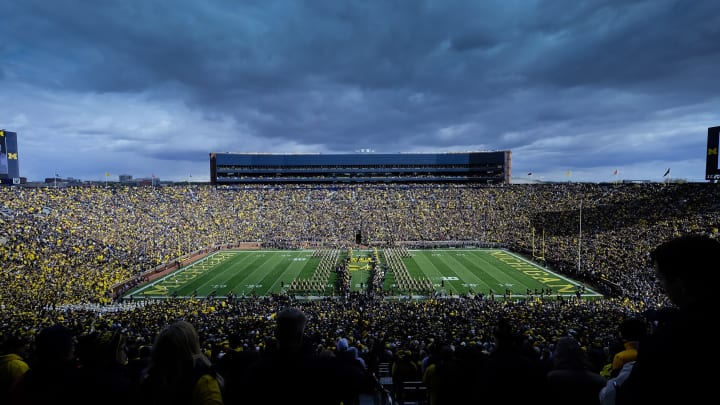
column 569, row 355
column 290, row 328
column 176, row 350
column 55, row 344
column 686, row 266
column 633, row 329
column 342, row 345
column 505, row 334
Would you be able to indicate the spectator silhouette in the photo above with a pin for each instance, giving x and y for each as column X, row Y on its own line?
column 350, row 354
column 608, row 394
column 572, row 379
column 292, row 372
column 233, row 366
column 631, row 331
column 103, row 362
column 12, row 365
column 451, row 376
column 509, row 366
column 349, row 363
column 179, row 373
column 53, row 376
column 404, row 369
column 138, row 362
column 672, row 362
column 456, row 374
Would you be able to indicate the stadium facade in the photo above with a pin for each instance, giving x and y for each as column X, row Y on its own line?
column 453, row 167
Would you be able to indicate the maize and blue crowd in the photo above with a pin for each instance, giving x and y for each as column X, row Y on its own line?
column 65, row 336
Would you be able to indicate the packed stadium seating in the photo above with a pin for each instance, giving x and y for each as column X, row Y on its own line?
column 62, row 250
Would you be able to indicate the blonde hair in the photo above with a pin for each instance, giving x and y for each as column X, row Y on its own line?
column 176, row 351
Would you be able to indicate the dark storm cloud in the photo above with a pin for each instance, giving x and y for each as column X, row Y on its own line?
column 572, row 77
column 638, row 44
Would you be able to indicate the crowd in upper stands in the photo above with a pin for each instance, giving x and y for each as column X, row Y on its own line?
column 62, row 249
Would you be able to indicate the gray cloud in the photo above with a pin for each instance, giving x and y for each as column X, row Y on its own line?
column 578, row 85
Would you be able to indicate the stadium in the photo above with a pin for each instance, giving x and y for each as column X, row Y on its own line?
column 394, row 268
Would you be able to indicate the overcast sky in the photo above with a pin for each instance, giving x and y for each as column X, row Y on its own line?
column 575, row 89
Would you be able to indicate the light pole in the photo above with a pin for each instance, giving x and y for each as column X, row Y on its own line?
column 593, row 203
column 580, row 237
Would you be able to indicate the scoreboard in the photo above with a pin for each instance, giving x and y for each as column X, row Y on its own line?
column 9, row 168
column 712, row 171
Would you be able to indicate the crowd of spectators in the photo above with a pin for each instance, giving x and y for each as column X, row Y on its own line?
column 62, row 249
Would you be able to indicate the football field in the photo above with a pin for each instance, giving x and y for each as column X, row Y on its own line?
column 452, row 272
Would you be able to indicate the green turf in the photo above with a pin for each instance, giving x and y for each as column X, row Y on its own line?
column 459, row 271
column 265, row 272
